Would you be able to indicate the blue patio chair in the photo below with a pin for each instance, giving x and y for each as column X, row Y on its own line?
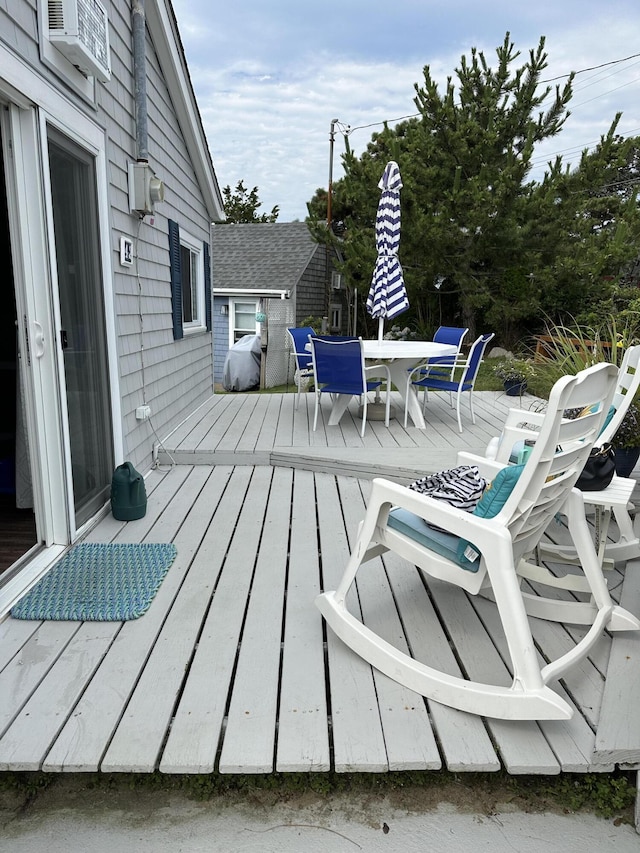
column 444, row 367
column 465, row 384
column 339, row 368
column 453, row 335
column 304, row 366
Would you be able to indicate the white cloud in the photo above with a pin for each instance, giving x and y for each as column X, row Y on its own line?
column 270, row 77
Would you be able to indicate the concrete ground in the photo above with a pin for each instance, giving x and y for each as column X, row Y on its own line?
column 153, row 821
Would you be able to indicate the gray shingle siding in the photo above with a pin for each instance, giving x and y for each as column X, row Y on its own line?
column 177, row 375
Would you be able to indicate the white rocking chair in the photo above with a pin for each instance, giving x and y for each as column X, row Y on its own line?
column 492, row 549
column 521, row 425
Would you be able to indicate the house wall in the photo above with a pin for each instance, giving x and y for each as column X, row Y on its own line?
column 220, row 336
column 172, row 377
column 311, row 290
column 18, row 29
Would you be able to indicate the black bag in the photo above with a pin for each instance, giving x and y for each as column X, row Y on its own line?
column 599, row 470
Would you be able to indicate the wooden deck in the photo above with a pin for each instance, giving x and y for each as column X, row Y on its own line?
column 266, row 429
column 232, row 670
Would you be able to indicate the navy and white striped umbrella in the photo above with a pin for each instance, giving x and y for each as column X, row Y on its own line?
column 388, row 295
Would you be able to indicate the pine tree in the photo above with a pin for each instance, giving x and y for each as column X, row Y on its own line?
column 242, row 205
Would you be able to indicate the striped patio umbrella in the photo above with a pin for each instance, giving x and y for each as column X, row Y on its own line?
column 387, row 295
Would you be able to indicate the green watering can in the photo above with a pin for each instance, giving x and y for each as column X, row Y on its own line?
column 128, row 493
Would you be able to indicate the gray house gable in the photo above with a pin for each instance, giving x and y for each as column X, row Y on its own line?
column 261, row 255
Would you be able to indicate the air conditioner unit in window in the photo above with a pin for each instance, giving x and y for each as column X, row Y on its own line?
column 336, row 281
column 79, row 29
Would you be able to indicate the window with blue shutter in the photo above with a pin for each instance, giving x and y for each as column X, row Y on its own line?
column 190, row 282
column 176, row 279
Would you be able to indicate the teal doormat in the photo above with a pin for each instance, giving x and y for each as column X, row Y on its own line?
column 99, row 583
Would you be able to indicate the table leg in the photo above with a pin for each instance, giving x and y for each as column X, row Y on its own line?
column 338, row 408
column 398, row 370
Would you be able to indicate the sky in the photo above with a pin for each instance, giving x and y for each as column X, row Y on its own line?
column 270, row 76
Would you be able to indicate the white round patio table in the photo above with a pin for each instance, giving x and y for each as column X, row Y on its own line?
column 399, row 356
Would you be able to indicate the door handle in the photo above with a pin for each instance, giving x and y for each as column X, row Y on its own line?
column 38, row 340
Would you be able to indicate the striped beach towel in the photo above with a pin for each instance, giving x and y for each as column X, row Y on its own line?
column 461, row 487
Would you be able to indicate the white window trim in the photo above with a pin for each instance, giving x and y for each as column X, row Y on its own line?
column 335, row 313
column 194, row 245
column 232, row 316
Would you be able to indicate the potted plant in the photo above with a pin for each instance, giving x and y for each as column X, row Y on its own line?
column 514, row 373
column 626, row 441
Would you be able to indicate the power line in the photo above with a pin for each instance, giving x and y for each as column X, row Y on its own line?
column 592, row 68
column 347, row 130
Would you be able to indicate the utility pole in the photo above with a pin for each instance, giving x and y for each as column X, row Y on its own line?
column 328, row 266
column 332, row 136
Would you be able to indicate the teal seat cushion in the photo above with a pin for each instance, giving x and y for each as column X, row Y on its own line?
column 444, row 544
column 448, row 545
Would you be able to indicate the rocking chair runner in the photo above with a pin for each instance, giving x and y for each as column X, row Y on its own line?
column 483, row 554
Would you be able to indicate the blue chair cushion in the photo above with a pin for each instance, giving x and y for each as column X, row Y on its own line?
column 448, row 545
column 445, row 544
column 594, row 408
column 498, row 492
column 493, row 499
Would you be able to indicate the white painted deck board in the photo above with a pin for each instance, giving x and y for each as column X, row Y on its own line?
column 618, row 734
column 247, row 441
column 197, row 724
column 26, row 671
column 571, row 740
column 303, row 731
column 88, row 731
column 521, row 745
column 463, row 738
column 189, row 435
column 358, row 740
column 249, row 741
column 156, row 692
column 42, row 717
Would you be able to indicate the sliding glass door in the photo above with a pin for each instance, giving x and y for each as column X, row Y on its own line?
column 82, row 323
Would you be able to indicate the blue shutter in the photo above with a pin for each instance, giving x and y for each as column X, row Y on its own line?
column 207, row 286
column 176, row 279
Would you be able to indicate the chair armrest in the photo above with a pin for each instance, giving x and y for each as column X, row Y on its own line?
column 416, row 369
column 488, row 468
column 385, row 495
column 377, row 370
column 516, row 417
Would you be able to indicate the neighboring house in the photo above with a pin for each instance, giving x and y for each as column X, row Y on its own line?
column 267, row 277
column 107, row 193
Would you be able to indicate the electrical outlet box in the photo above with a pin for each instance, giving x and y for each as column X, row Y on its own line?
column 143, row 412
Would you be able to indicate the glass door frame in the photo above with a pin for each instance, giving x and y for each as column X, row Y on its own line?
column 27, row 104
column 94, row 143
